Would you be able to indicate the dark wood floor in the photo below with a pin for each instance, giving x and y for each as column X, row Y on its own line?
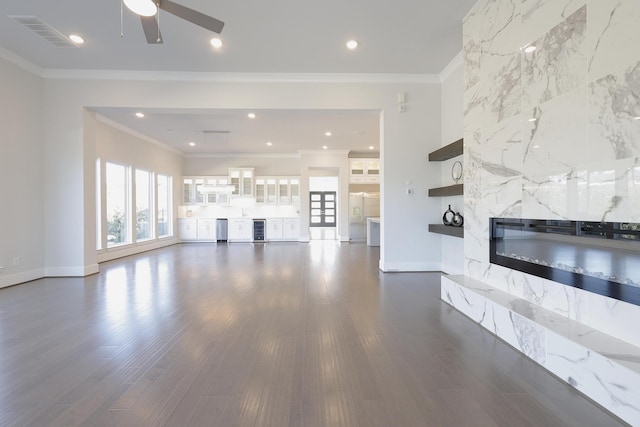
column 282, row 334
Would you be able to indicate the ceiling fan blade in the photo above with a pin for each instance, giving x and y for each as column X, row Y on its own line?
column 150, row 27
column 193, row 16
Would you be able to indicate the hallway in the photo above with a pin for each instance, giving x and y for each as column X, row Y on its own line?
column 277, row 334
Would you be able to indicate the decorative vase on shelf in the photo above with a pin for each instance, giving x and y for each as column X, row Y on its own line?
column 457, row 220
column 447, row 218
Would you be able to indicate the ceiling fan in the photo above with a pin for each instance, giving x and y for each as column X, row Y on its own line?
column 148, row 10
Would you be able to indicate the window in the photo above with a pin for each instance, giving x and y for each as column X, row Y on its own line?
column 144, row 217
column 98, row 206
column 117, row 213
column 164, row 205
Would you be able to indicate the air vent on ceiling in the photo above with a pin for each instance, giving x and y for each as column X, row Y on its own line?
column 44, row 30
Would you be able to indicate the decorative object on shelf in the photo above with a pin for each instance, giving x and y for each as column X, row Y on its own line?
column 457, row 220
column 447, row 218
column 456, row 171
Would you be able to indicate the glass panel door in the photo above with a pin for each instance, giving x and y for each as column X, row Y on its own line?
column 323, row 211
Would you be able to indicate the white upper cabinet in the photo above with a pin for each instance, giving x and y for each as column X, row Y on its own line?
column 364, row 171
column 203, row 190
column 242, row 180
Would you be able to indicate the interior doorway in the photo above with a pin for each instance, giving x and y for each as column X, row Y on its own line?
column 323, row 207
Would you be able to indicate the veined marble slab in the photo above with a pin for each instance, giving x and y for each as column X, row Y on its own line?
column 602, row 367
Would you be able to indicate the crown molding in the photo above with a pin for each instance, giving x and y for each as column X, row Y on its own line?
column 450, row 67
column 132, row 132
column 74, row 74
column 21, row 62
column 242, row 156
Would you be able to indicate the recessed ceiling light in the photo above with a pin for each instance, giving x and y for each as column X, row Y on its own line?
column 536, row 146
column 371, row 147
column 358, row 132
column 141, row 7
column 352, row 44
column 139, row 115
column 216, row 42
column 529, row 49
column 328, row 134
column 532, row 119
column 251, row 115
column 192, row 144
column 636, row 118
column 269, row 143
column 76, row 39
column 324, row 147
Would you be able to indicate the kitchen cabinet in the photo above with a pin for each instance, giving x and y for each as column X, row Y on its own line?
column 242, row 180
column 364, row 171
column 187, row 229
column 206, row 230
column 201, row 190
column 240, row 230
column 274, row 229
column 266, row 190
column 291, row 229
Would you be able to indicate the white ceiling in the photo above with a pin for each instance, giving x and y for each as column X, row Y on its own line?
column 276, row 36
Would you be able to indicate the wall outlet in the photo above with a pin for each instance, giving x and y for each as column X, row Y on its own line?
column 16, row 261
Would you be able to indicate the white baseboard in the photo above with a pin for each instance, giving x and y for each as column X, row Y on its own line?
column 391, row 267
column 81, row 271
column 23, row 276
column 119, row 252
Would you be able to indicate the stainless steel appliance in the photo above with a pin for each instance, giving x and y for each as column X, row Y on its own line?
column 259, row 226
column 222, row 230
column 362, row 205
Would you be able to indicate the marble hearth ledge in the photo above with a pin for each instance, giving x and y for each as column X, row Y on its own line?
column 601, row 367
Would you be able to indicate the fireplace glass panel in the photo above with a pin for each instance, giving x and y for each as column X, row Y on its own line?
column 599, row 257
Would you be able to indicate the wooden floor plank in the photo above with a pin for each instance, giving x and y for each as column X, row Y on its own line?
column 287, row 334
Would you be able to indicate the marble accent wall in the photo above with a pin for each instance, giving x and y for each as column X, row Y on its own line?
column 552, row 132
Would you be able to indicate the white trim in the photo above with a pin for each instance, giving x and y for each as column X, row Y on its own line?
column 450, row 67
column 22, row 277
column 21, row 62
column 245, row 155
column 72, row 74
column 80, row 271
column 398, row 267
column 323, row 151
column 132, row 132
column 119, row 252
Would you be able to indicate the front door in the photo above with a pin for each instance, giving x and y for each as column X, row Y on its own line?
column 322, row 209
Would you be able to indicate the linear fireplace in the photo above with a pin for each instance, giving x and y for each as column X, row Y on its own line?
column 600, row 257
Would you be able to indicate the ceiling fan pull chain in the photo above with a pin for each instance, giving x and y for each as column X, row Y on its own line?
column 158, row 18
column 121, row 18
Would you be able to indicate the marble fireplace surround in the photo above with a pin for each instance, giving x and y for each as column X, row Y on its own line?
column 598, row 257
column 603, row 368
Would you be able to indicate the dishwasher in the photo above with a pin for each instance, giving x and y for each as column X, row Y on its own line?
column 222, row 230
column 258, row 229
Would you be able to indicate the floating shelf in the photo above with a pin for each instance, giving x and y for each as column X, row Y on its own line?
column 451, row 190
column 447, row 230
column 447, row 152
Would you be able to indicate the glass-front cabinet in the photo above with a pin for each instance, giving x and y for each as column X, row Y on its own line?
column 205, row 190
column 364, row 171
column 242, row 181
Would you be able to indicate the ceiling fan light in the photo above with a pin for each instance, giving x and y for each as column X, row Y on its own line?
column 141, row 7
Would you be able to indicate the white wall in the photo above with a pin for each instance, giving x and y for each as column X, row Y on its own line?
column 117, row 145
column 21, row 175
column 264, row 166
column 452, row 130
column 407, row 138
